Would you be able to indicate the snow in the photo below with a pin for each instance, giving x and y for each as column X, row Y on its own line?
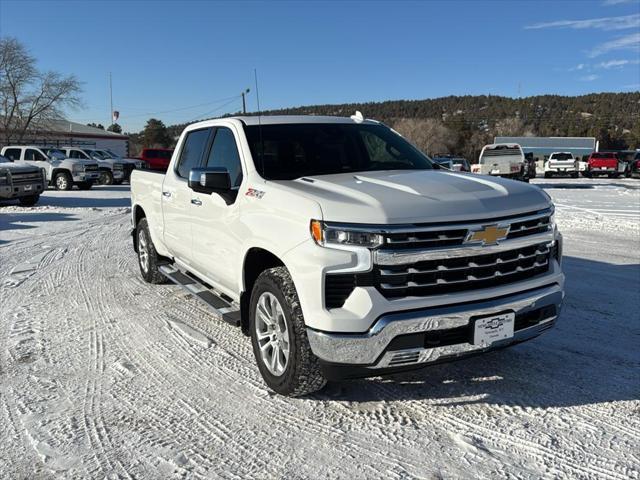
column 104, row 376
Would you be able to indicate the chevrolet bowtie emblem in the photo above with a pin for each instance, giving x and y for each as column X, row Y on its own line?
column 489, row 235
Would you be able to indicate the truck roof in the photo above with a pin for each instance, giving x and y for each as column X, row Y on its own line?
column 281, row 119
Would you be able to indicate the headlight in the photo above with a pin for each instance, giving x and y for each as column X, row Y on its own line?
column 118, row 166
column 4, row 178
column 325, row 234
column 77, row 168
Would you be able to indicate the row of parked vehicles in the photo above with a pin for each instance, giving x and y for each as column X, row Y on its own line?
column 27, row 170
column 509, row 160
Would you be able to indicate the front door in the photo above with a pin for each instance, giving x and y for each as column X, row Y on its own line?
column 217, row 234
column 177, row 196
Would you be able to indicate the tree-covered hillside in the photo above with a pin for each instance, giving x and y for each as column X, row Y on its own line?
column 463, row 124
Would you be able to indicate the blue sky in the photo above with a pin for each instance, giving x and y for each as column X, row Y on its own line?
column 197, row 56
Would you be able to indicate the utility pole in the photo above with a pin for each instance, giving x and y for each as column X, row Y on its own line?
column 110, row 102
column 244, row 104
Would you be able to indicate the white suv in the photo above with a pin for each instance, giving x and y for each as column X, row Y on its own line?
column 561, row 163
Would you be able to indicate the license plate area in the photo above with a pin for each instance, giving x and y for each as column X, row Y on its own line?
column 493, row 328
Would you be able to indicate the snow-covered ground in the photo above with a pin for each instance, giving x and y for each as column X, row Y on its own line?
column 104, row 376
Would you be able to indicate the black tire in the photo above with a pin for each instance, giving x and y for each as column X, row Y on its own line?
column 302, row 374
column 548, row 174
column 106, row 177
column 63, row 181
column 143, row 239
column 85, row 185
column 574, row 175
column 29, row 201
column 118, row 182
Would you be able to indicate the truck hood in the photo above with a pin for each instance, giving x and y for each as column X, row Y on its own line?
column 400, row 196
column 13, row 168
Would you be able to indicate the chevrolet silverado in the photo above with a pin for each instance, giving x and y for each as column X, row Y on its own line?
column 342, row 250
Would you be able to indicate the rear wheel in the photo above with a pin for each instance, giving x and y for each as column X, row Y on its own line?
column 63, row 181
column 29, row 201
column 279, row 336
column 548, row 174
column 148, row 258
column 574, row 175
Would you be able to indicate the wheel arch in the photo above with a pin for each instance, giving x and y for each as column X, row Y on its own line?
column 256, row 261
column 137, row 214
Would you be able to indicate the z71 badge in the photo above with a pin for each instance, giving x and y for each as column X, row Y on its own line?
column 252, row 192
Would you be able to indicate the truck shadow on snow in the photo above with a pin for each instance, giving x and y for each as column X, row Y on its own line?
column 85, row 202
column 25, row 221
column 590, row 357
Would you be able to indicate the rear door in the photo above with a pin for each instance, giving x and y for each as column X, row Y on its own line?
column 217, row 237
column 176, row 194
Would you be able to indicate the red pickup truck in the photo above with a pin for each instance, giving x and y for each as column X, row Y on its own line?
column 603, row 163
column 156, row 158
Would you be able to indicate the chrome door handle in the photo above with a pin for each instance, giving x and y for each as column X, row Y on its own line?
column 166, row 194
column 195, row 201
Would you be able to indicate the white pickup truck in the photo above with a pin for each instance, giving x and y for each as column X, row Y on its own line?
column 502, row 160
column 342, row 251
column 561, row 163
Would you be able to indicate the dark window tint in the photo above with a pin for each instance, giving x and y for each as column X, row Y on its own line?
column 603, row 155
column 192, row 151
column 563, row 156
column 297, row 150
column 12, row 153
column 31, row 154
column 224, row 153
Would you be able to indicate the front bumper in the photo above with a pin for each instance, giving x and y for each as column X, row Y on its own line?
column 22, row 190
column 86, row 177
column 416, row 338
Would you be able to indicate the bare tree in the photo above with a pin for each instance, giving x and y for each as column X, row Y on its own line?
column 30, row 99
column 429, row 135
column 513, row 127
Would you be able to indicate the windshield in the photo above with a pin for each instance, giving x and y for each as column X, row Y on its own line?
column 603, row 155
column 94, row 154
column 56, row 154
column 109, row 154
column 297, row 150
column 562, row 156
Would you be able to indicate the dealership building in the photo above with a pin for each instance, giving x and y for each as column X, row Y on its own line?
column 61, row 133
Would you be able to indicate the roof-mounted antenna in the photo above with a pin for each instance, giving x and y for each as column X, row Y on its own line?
column 357, row 117
column 255, row 76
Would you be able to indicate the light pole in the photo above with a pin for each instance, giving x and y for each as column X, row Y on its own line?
column 244, row 105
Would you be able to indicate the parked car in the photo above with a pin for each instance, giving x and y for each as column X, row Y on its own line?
column 62, row 172
column 561, row 163
column 156, row 158
column 341, row 251
column 130, row 164
column 22, row 182
column 111, row 171
column 457, row 164
column 603, row 163
column 502, row 160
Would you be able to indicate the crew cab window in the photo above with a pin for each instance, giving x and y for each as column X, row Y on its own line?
column 34, row 155
column 192, row 151
column 224, row 153
column 12, row 153
column 78, row 154
column 382, row 153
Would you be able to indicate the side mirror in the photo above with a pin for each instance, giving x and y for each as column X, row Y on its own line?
column 210, row 180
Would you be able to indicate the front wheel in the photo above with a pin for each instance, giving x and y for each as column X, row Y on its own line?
column 547, row 175
column 29, row 201
column 279, row 337
column 63, row 181
column 85, row 185
column 106, row 177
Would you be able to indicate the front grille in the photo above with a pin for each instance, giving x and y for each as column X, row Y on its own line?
column 26, row 178
column 91, row 168
column 450, row 273
column 418, row 236
column 447, row 275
